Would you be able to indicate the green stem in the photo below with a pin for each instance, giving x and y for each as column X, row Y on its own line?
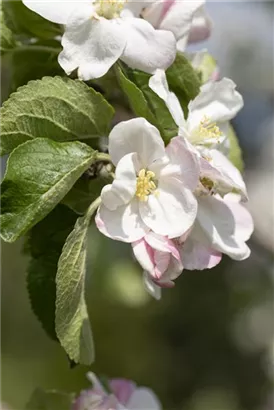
column 93, row 206
column 102, row 156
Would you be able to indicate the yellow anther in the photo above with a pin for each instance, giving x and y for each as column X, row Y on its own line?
column 208, row 129
column 109, row 8
column 145, row 184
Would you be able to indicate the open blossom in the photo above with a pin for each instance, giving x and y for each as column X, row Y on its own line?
column 99, row 32
column 123, row 395
column 150, row 190
column 187, row 20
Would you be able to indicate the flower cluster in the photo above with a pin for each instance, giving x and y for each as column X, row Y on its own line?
column 121, row 395
column 180, row 206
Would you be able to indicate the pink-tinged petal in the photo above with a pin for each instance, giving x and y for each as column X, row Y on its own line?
column 91, row 44
column 219, row 101
column 147, row 49
column 181, row 154
column 151, row 287
column 155, row 12
column 144, row 255
column 87, row 400
column 197, row 256
column 200, row 27
column 162, row 244
column 122, row 389
column 136, row 135
column 172, row 211
column 124, row 224
column 179, row 18
column 244, row 225
column 219, row 223
column 123, row 188
column 56, row 11
column 143, row 398
column 162, row 260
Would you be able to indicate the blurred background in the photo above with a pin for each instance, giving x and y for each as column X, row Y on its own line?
column 208, row 344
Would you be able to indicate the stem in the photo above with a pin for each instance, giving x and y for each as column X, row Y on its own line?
column 93, row 206
column 52, row 50
column 102, row 156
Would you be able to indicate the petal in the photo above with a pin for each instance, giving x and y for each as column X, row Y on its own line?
column 219, row 223
column 200, row 27
column 162, row 243
column 124, row 224
column 143, row 398
column 144, row 255
column 171, row 211
column 244, row 226
column 220, row 169
column 97, row 387
column 219, row 101
column 123, row 188
column 197, row 256
column 151, row 287
column 158, row 83
column 172, row 272
column 181, row 154
column 136, row 135
column 146, row 48
column 90, row 44
column 52, row 10
column 122, row 389
column 179, row 17
column 162, row 260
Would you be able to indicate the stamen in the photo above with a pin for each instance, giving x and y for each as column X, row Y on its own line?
column 207, row 130
column 145, row 184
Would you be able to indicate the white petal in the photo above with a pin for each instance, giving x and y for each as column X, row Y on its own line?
column 172, row 211
column 123, row 188
column 162, row 243
column 151, row 287
column 148, row 49
column 244, row 225
column 144, row 399
column 55, row 11
column 158, row 83
column 136, row 135
column 92, row 45
column 200, row 27
column 219, row 222
column 197, row 256
column 124, row 224
column 179, row 17
column 219, row 101
column 181, row 153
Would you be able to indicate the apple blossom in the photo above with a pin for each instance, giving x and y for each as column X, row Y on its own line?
column 99, row 32
column 150, row 191
column 187, row 20
column 123, row 395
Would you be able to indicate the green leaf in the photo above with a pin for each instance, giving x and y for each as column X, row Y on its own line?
column 39, row 174
column 72, row 321
column 183, row 81
column 235, row 153
column 34, row 62
column 23, row 21
column 44, row 244
column 49, row 400
column 58, row 108
column 145, row 103
column 8, row 41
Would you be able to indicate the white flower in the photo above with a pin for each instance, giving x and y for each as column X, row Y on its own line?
column 187, row 20
column 150, row 190
column 206, row 128
column 125, row 395
column 99, row 32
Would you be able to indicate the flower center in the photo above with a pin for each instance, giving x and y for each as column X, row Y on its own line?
column 206, row 131
column 206, row 187
column 109, row 8
column 145, row 184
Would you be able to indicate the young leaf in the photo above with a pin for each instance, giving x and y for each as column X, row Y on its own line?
column 58, row 108
column 49, row 400
column 39, row 174
column 235, row 153
column 35, row 61
column 71, row 320
column 7, row 40
column 183, row 80
column 44, row 243
column 145, row 103
column 22, row 20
